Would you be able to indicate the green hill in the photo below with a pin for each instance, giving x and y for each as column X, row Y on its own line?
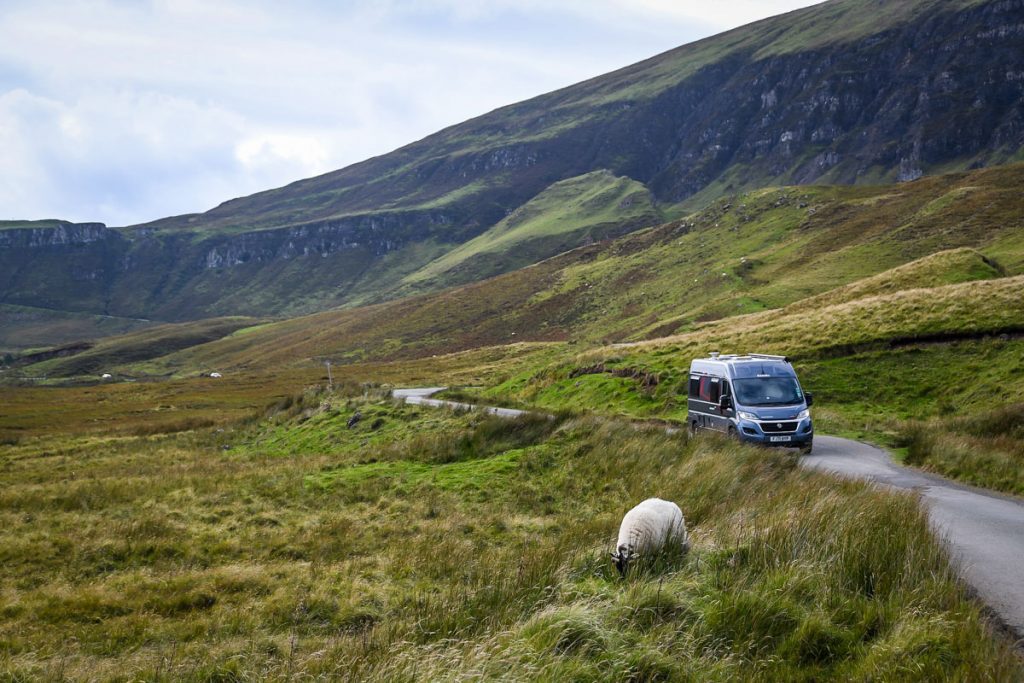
column 941, row 268
column 142, row 345
column 761, row 251
column 23, row 327
column 581, row 210
column 844, row 92
column 851, row 281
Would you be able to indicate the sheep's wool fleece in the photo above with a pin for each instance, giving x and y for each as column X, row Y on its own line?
column 650, row 524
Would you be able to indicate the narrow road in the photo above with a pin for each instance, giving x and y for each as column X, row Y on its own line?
column 984, row 530
column 421, row 397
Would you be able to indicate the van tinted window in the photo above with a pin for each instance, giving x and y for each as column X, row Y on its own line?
column 694, row 386
column 709, row 389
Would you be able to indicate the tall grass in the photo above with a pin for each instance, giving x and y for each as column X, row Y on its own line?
column 171, row 558
column 985, row 448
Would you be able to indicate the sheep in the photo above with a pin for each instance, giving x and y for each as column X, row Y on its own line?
column 646, row 529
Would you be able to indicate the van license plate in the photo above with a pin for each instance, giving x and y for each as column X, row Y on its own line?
column 780, row 438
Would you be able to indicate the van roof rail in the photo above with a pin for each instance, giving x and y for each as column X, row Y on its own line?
column 769, row 357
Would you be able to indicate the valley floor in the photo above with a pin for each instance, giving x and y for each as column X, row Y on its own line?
column 416, row 544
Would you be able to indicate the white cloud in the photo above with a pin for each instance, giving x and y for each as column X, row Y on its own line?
column 125, row 112
column 265, row 151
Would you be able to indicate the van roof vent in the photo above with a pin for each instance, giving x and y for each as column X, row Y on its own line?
column 715, row 354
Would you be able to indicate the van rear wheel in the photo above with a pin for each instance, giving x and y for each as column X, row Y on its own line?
column 692, row 428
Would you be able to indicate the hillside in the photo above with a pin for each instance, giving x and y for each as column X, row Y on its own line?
column 755, row 252
column 586, row 209
column 920, row 283
column 142, row 345
column 849, row 91
column 24, row 328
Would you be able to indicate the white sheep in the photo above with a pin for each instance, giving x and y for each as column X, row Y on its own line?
column 647, row 528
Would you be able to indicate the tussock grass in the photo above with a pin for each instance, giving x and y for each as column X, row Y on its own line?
column 934, row 270
column 986, row 448
column 946, row 311
column 169, row 557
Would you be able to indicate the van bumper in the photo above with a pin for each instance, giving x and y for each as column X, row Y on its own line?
column 751, row 432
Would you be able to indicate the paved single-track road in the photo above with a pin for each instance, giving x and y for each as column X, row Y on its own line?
column 984, row 530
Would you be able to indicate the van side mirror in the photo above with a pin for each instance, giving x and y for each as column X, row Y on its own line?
column 809, row 397
column 725, row 403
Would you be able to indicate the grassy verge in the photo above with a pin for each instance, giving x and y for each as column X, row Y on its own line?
column 985, row 448
column 414, row 544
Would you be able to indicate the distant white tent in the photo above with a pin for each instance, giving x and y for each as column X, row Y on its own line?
column 106, row 375
column 216, row 375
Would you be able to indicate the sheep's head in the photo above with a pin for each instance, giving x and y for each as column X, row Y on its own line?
column 622, row 556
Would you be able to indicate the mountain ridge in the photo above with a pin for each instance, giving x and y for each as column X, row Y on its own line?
column 849, row 91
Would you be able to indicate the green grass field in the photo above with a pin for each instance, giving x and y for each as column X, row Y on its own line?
column 430, row 545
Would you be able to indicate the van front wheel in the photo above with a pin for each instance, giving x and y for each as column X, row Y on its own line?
column 733, row 434
column 806, row 448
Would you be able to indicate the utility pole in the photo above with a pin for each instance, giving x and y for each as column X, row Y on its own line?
column 330, row 379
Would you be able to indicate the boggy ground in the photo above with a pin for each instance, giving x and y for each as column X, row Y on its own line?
column 432, row 545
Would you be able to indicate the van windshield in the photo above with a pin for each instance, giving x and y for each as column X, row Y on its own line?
column 768, row 391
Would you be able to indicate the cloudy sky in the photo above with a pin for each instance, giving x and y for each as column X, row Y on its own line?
column 124, row 111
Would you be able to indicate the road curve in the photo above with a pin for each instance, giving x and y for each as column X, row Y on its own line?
column 984, row 530
column 421, row 397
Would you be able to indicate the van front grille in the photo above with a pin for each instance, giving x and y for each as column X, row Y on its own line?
column 776, row 427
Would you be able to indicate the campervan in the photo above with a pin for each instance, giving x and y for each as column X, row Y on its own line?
column 753, row 397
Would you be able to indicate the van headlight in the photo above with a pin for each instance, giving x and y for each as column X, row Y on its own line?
column 747, row 416
column 804, row 414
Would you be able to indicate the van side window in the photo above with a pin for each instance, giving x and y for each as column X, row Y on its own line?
column 694, row 386
column 710, row 388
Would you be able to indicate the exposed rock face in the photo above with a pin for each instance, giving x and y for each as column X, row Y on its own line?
column 378, row 234
column 61, row 235
column 889, row 106
column 88, row 267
